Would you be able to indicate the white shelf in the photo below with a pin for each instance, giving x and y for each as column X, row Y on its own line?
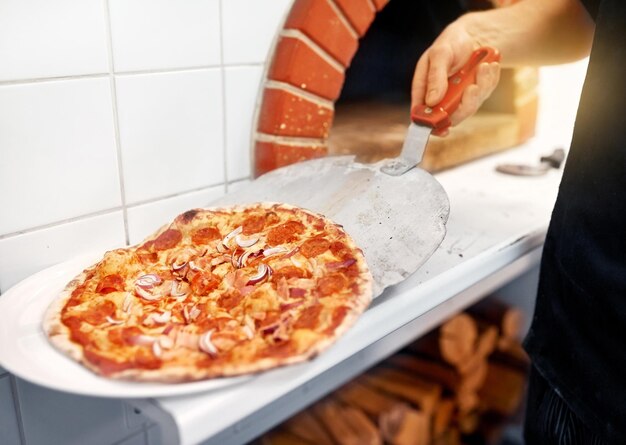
column 495, row 232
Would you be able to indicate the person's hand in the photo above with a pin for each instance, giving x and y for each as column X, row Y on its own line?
column 449, row 52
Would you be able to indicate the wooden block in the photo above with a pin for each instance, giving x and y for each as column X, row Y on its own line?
column 329, row 414
column 503, row 389
column 422, row 393
column 443, row 373
column 487, row 339
column 372, row 402
column 405, row 426
column 457, row 339
column 450, row 437
column 442, row 417
column 366, row 430
column 282, row 437
column 306, row 426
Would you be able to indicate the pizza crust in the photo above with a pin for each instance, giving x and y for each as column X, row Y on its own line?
column 60, row 335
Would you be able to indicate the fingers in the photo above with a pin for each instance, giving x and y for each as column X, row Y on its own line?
column 440, row 60
column 487, row 79
column 430, row 80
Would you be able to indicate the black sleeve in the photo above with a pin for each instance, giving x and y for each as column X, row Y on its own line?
column 592, row 6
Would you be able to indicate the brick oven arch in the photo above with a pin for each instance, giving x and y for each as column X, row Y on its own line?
column 305, row 77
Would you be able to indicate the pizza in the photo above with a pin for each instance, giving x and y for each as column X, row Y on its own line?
column 218, row 292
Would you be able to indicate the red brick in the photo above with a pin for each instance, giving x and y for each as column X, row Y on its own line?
column 297, row 64
column 271, row 155
column 380, row 4
column 319, row 21
column 360, row 14
column 286, row 114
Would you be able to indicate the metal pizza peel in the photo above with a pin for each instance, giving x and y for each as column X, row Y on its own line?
column 395, row 211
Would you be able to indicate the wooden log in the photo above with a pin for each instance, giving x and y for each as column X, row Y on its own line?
column 503, row 389
column 329, row 413
column 357, row 420
column 507, row 319
column 306, row 426
column 446, row 375
column 513, row 355
column 467, row 402
column 372, row 402
column 457, row 339
column 347, row 425
column 405, row 426
column 468, row 422
column 440, row 372
column 283, row 437
column 450, row 437
column 442, row 417
column 487, row 340
column 422, row 393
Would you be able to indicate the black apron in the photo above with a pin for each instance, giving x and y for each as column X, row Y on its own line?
column 578, row 336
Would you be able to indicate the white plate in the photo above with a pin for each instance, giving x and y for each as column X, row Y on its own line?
column 26, row 352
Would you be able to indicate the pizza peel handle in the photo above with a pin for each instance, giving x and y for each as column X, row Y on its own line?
column 438, row 117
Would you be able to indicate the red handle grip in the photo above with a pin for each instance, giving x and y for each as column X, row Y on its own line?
column 438, row 116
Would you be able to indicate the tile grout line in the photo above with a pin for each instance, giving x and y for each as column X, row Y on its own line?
column 224, row 117
column 116, row 121
column 35, row 80
column 107, row 211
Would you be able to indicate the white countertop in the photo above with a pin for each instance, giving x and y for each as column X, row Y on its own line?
column 496, row 229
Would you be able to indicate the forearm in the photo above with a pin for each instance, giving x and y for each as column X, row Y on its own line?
column 534, row 32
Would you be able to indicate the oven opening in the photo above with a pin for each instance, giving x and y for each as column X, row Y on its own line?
column 372, row 112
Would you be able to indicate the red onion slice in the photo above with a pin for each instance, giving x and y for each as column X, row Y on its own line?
column 274, row 251
column 178, row 290
column 148, row 281
column 176, row 267
column 113, row 321
column 206, row 345
column 142, row 340
column 127, row 304
column 143, row 293
column 157, row 350
column 262, row 271
column 232, row 234
column 161, row 318
column 246, row 242
column 340, row 264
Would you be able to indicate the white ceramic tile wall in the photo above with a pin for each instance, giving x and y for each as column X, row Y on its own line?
column 157, row 34
column 153, row 112
column 241, row 83
column 115, row 115
column 40, row 38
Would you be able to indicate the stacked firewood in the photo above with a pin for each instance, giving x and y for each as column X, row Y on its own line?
column 458, row 384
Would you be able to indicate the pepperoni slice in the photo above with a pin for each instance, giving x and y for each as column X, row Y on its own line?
column 98, row 314
column 188, row 216
column 205, row 234
column 203, row 283
column 290, row 272
column 168, row 239
column 314, row 247
column 110, row 283
column 331, row 284
column 147, row 258
column 338, row 315
column 309, row 317
column 230, row 300
column 285, row 233
column 123, row 336
column 253, row 224
column 339, row 249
